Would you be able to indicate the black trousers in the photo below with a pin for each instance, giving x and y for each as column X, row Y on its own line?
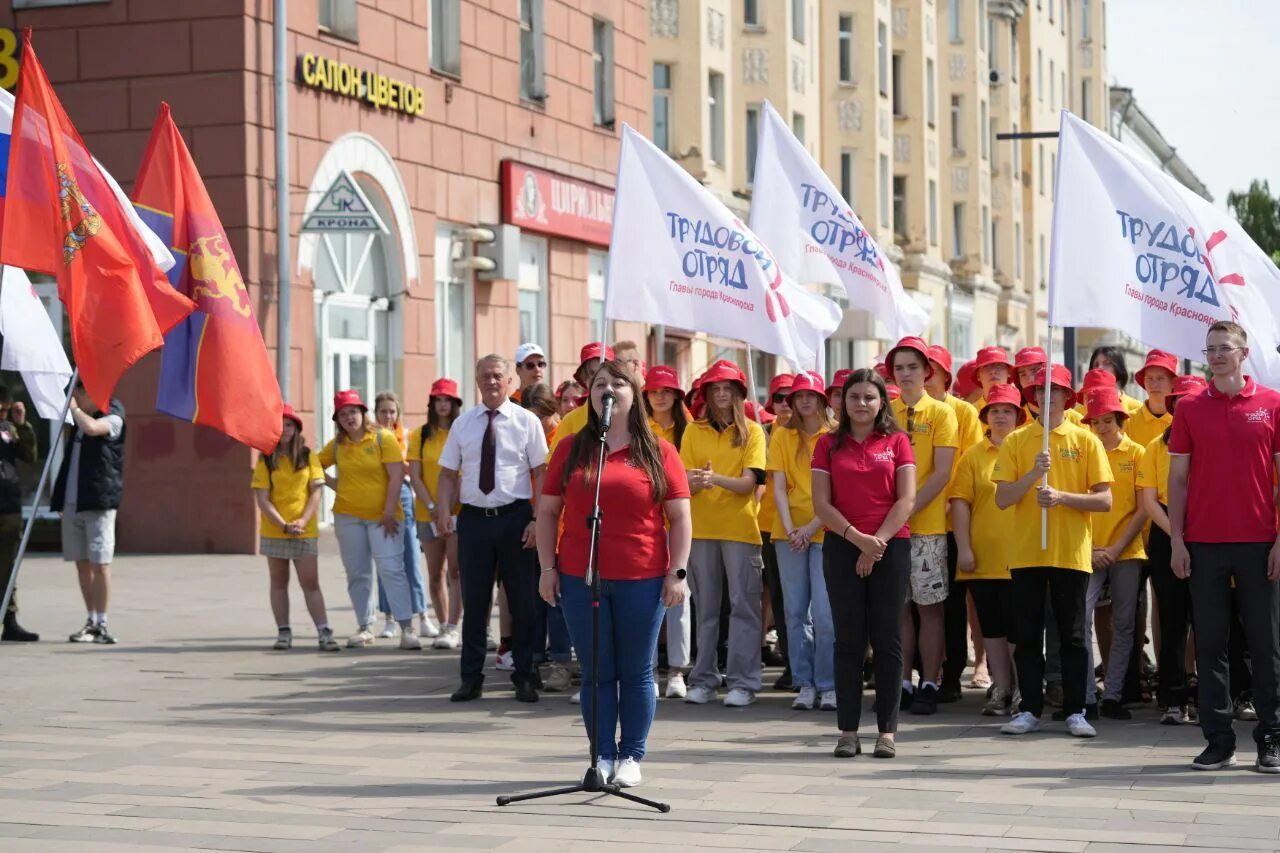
column 1066, row 594
column 1173, row 599
column 489, row 548
column 1213, row 567
column 10, row 536
column 867, row 610
column 955, row 619
column 774, row 584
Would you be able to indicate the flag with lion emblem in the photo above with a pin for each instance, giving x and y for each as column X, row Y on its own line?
column 214, row 368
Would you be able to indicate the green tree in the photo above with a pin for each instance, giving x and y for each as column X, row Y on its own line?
column 1258, row 213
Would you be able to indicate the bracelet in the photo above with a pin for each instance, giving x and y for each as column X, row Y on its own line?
column 845, row 535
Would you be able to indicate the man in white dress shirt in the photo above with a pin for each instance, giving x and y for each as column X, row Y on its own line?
column 493, row 460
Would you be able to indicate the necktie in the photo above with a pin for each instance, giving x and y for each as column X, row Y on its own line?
column 487, row 454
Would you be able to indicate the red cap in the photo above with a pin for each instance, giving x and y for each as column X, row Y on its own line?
column 941, row 356
column 1061, row 377
column 751, row 411
column 290, row 414
column 882, row 370
column 965, row 383
column 807, row 382
column 1185, row 386
column 592, row 350
column 1030, row 357
column 1101, row 402
column 1098, row 378
column 988, row 356
column 347, row 398
column 837, row 381
column 662, row 377
column 916, row 345
column 894, row 391
column 445, row 388
column 781, row 382
column 1157, row 358
column 725, row 371
column 1004, row 395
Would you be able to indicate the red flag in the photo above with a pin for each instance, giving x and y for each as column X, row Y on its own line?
column 214, row 368
column 62, row 218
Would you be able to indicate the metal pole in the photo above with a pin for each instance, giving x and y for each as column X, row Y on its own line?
column 1044, row 422
column 284, row 278
column 35, row 500
column 751, row 381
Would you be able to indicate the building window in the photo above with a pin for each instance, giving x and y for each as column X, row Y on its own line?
column 1040, row 148
column 1017, row 249
column 1053, row 174
column 986, row 234
column 957, row 230
column 933, row 213
column 882, row 57
column 1013, row 48
column 602, row 60
column 797, row 126
column 995, row 246
column 1053, row 85
column 900, row 206
column 984, row 32
column 453, row 312
column 446, row 38
column 930, row 93
column 1062, row 77
column 1086, row 99
column 1043, row 262
column 846, row 48
column 751, row 13
column 1051, row 5
column 884, row 189
column 957, row 116
column 597, row 264
column 532, row 46
column 662, row 105
column 848, row 188
column 337, row 18
column 899, row 87
column 953, row 20
column 986, row 140
column 1040, row 74
column 1085, row 32
column 797, row 19
column 752, row 140
column 715, row 116
column 532, row 286
column 1017, row 154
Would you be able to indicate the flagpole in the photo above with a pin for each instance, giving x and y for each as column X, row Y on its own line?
column 751, row 381
column 1044, row 421
column 35, row 500
column 284, row 277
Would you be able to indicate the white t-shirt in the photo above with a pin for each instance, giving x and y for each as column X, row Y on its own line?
column 115, row 426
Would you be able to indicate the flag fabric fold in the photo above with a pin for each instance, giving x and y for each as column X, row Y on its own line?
column 62, row 217
column 679, row 256
column 214, row 368
column 32, row 346
column 1135, row 250
column 815, row 235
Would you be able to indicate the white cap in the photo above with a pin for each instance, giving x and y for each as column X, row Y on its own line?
column 525, row 350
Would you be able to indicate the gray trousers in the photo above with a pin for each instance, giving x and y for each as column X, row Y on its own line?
column 1126, row 584
column 713, row 565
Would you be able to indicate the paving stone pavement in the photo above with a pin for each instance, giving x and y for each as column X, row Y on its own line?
column 192, row 735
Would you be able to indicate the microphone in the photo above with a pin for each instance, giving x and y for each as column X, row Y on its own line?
column 606, row 411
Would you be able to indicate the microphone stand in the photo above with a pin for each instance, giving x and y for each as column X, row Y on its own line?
column 593, row 782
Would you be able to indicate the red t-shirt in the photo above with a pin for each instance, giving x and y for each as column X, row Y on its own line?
column 1232, row 442
column 864, row 476
column 633, row 532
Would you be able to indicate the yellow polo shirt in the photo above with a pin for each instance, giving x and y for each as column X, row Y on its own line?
column 791, row 452
column 288, row 490
column 934, row 426
column 362, row 473
column 988, row 530
column 719, row 513
column 1072, row 415
column 968, row 427
column 570, row 425
column 766, row 509
column 1107, row 526
column 428, row 453
column 1079, row 463
column 667, row 434
column 1153, row 470
column 1144, row 426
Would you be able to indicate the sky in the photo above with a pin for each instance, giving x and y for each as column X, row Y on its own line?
column 1207, row 74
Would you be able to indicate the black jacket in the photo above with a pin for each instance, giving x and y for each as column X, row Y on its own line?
column 100, row 481
column 19, row 444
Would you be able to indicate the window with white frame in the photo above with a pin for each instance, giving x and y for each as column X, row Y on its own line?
column 986, row 234
column 845, row 47
column 882, row 57
column 1085, row 23
column 930, row 92
column 751, row 13
column 933, row 213
column 1013, row 48
column 715, row 117
column 953, row 21
column 957, row 230
column 1040, row 74
column 797, row 126
column 532, row 285
column 1086, row 99
column 602, row 63
column 337, row 17
column 1053, row 174
column 957, row 128
column 454, row 311
column 984, row 26
column 1040, row 150
column 798, row 10
column 848, row 177
column 899, row 87
column 446, row 36
column 995, row 244
column 753, row 137
column 990, row 43
column 984, row 123
column 597, row 266
column 884, row 190
column 900, row 206
column 1044, row 262
column 662, row 105
column 1053, row 85
column 533, row 85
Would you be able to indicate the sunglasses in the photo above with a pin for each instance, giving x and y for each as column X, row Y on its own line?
column 911, row 425
column 780, row 397
column 532, row 365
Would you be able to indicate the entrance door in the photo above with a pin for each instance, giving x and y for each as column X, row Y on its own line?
column 349, row 353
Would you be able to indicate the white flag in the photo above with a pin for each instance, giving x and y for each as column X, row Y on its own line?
column 31, row 346
column 816, row 236
column 1135, row 250
column 678, row 256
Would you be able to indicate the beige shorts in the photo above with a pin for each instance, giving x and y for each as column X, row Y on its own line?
column 929, row 569
column 89, row 535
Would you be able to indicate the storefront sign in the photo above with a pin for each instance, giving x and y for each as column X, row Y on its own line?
column 343, row 209
column 378, row 90
column 9, row 55
column 556, row 205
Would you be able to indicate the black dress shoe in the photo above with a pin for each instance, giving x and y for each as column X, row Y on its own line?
column 15, row 633
column 949, row 692
column 1113, row 710
column 784, row 680
column 526, row 692
column 467, row 691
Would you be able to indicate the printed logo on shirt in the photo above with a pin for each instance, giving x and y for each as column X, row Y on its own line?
column 883, row 456
column 1258, row 416
column 1070, row 454
column 1127, row 467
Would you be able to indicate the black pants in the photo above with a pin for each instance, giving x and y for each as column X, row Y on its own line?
column 955, row 614
column 993, row 599
column 867, row 610
column 1213, row 567
column 1066, row 593
column 1173, row 599
column 10, row 536
column 774, row 584
column 490, row 547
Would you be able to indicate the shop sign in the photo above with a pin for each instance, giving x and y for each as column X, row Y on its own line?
column 343, row 209
column 556, row 205
column 378, row 90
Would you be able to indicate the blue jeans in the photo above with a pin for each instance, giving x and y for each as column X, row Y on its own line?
column 630, row 614
column 412, row 565
column 811, row 635
column 551, row 635
column 365, row 547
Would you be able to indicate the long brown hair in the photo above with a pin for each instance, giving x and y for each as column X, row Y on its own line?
column 295, row 450
column 435, row 422
column 645, row 451
column 738, row 418
column 885, row 423
column 795, row 422
column 679, row 416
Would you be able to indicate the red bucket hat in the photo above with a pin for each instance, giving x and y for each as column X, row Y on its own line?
column 751, row 411
column 807, row 382
column 593, row 350
column 894, row 392
column 1157, row 358
column 1004, row 395
column 1030, row 357
column 837, row 382
column 725, row 371
column 1185, row 386
column 1097, row 379
column 781, row 382
column 1061, row 378
column 965, row 383
column 347, row 398
column 1102, row 401
column 290, row 414
column 445, row 388
column 662, row 377
column 914, row 344
column 941, row 356
column 988, row 356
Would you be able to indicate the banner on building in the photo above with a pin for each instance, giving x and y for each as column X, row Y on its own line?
column 1135, row 250
column 678, row 256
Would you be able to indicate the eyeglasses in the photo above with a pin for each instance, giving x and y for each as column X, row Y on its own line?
column 911, row 425
column 1209, row 352
column 531, row 365
column 780, row 397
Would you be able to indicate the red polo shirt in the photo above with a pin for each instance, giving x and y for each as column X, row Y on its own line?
column 864, row 476
column 1232, row 442
column 633, row 533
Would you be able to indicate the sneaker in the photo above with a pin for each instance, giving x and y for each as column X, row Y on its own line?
column 885, row 748
column 284, row 640
column 605, row 766
column 429, row 629
column 389, row 629
column 576, row 699
column 104, row 637
column 700, row 695
column 950, row 692
column 657, row 692
column 1173, row 716
column 448, row 638
column 1053, row 694
column 556, row 679
column 490, row 643
column 828, row 701
column 771, row 637
column 1245, row 710
column 327, row 641
column 409, row 640
column 926, row 700
column 999, row 704
column 1269, row 754
column 739, row 698
column 1023, row 722
column 1193, row 715
column 626, row 773
column 1078, row 726
column 847, row 747
column 908, row 699
column 85, row 634
column 1113, row 710
column 805, row 701
column 784, row 680
column 1215, row 757
column 505, row 662
column 676, row 688
column 361, row 638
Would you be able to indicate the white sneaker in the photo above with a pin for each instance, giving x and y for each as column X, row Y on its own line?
column 657, row 694
column 605, row 766
column 804, row 702
column 739, row 698
column 409, row 640
column 576, row 699
column 676, row 688
column 490, row 643
column 828, row 700
column 627, row 773
column 430, row 629
column 505, row 662
column 1022, row 723
column 700, row 695
column 360, row 639
column 1078, row 726
column 389, row 629
column 448, row 638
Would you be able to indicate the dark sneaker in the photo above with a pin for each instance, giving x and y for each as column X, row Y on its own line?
column 85, row 634
column 926, row 700
column 15, row 633
column 104, row 637
column 950, row 693
column 284, row 640
column 1244, row 710
column 908, row 699
column 784, row 680
column 1053, row 694
column 1269, row 754
column 1113, row 710
column 1215, row 757
column 885, row 748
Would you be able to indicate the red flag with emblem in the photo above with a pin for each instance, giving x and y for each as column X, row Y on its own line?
column 214, row 368
column 62, row 218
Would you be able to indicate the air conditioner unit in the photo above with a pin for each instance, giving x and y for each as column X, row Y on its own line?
column 996, row 77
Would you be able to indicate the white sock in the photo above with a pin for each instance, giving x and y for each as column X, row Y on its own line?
column 102, row 618
column 928, row 684
column 93, row 617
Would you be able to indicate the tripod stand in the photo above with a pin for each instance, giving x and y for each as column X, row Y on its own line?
column 592, row 781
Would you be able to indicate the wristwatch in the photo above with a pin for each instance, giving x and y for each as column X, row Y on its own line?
column 679, row 574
